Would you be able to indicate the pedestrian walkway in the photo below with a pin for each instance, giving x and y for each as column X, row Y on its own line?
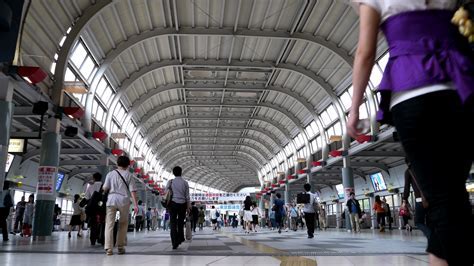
column 227, row 247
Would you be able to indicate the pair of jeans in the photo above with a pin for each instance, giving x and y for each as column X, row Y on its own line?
column 435, row 131
column 355, row 223
column 177, row 216
column 310, row 220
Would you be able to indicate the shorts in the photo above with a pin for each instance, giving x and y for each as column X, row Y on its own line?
column 214, row 221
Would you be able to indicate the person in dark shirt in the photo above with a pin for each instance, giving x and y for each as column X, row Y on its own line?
column 19, row 212
column 420, row 212
column 279, row 211
column 353, row 207
column 195, row 216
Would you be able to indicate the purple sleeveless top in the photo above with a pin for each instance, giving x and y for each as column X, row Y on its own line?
column 425, row 49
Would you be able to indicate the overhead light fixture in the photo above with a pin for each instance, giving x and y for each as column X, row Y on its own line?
column 31, row 74
column 99, row 135
column 117, row 152
column 73, row 112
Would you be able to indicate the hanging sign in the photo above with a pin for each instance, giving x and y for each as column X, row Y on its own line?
column 16, row 145
column 46, row 180
column 218, row 196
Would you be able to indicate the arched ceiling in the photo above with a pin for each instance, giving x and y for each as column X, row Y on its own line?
column 218, row 86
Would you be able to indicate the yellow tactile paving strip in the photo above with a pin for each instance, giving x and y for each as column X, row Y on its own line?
column 281, row 255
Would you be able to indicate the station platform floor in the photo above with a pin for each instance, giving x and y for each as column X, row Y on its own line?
column 226, row 247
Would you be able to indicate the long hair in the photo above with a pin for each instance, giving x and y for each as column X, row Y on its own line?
column 377, row 199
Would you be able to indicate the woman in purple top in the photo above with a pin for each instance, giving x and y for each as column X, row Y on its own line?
column 427, row 94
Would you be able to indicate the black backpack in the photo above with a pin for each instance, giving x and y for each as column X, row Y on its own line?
column 303, row 198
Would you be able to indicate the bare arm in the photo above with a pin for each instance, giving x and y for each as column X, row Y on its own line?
column 135, row 202
column 364, row 61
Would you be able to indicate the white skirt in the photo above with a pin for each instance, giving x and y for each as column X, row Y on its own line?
column 247, row 216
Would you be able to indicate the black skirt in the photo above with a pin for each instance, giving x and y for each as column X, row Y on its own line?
column 75, row 220
column 255, row 219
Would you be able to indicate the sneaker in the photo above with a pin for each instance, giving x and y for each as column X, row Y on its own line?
column 109, row 252
column 121, row 251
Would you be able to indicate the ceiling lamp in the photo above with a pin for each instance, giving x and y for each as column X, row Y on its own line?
column 117, row 152
column 335, row 153
column 31, row 74
column 99, row 135
column 364, row 138
column 73, row 112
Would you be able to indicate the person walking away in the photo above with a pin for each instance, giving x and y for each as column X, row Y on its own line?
column 76, row 217
column 6, row 202
column 120, row 186
column 405, row 214
column 309, row 212
column 271, row 215
column 194, row 216
column 380, row 212
column 420, row 211
column 180, row 206
column 256, row 213
column 95, row 213
column 148, row 219
column 248, row 214
column 19, row 212
column 428, row 81
column 201, row 218
column 279, row 211
column 354, row 212
column 166, row 220
column 213, row 216
column 155, row 219
column 322, row 216
column 56, row 219
column 388, row 213
column 294, row 217
column 139, row 217
column 28, row 216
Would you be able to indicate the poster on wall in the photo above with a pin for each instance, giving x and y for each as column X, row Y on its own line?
column 46, row 179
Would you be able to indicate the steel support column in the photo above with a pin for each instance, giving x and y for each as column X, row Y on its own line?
column 45, row 200
column 348, row 184
column 6, row 113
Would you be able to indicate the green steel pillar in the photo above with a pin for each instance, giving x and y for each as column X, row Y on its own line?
column 47, row 174
column 6, row 110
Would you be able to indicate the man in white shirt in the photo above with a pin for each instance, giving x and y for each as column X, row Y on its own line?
column 213, row 215
column 309, row 212
column 120, row 185
column 180, row 204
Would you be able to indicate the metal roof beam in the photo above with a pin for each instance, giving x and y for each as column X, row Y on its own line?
column 79, row 162
column 156, row 140
column 78, row 152
column 380, row 154
column 258, row 164
column 261, row 156
column 169, row 144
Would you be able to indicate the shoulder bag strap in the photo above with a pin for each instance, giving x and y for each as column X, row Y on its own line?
column 123, row 179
